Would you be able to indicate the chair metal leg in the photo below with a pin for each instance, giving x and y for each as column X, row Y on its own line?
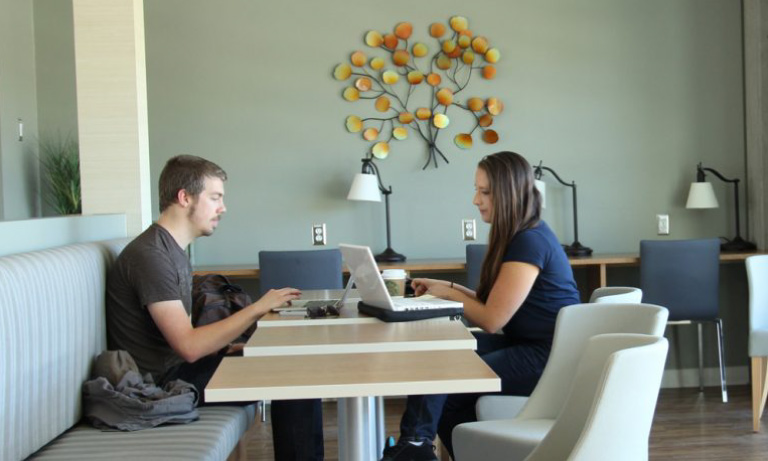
column 759, row 389
column 701, row 357
column 721, row 350
column 263, row 410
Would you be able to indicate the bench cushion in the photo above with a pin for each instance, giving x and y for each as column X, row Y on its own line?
column 212, row 437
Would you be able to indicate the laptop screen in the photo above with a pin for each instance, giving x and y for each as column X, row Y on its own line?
column 368, row 281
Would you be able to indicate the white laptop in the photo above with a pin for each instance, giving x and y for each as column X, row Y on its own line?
column 373, row 291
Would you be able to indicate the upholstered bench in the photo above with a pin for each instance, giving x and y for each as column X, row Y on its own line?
column 52, row 326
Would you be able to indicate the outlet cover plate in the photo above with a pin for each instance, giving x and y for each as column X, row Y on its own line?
column 468, row 229
column 318, row 234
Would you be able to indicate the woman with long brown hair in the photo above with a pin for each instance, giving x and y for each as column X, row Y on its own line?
column 525, row 280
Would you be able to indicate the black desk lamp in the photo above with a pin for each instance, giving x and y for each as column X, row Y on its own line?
column 701, row 195
column 368, row 186
column 576, row 248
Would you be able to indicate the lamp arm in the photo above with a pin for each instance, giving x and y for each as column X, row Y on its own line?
column 714, row 172
column 369, row 164
column 735, row 182
column 559, row 179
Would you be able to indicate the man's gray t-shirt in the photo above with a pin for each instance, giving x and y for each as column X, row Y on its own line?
column 152, row 268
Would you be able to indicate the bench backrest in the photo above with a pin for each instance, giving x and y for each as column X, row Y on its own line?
column 52, row 325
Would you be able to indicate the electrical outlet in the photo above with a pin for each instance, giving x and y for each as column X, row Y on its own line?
column 468, row 230
column 662, row 224
column 318, row 234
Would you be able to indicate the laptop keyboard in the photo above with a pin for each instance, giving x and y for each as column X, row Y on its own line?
column 411, row 304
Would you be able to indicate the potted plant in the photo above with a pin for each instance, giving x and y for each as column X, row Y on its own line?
column 60, row 159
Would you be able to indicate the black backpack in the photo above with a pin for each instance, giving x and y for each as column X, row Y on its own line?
column 214, row 298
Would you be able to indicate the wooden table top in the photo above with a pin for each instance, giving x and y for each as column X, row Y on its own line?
column 350, row 375
column 330, row 338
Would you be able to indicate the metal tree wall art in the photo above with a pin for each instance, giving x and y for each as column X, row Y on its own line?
column 392, row 82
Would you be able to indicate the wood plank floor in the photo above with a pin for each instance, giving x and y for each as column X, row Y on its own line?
column 688, row 426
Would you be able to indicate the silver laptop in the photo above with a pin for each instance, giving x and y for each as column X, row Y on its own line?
column 372, row 290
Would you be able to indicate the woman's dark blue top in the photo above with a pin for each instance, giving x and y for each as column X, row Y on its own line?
column 553, row 289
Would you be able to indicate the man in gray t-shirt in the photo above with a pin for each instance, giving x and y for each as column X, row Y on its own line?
column 148, row 299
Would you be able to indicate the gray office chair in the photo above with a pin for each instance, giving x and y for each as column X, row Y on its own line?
column 683, row 276
column 305, row 270
column 475, row 255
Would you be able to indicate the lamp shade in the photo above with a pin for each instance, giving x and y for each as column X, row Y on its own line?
column 365, row 187
column 542, row 188
column 701, row 195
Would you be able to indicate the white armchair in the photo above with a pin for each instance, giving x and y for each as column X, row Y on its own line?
column 757, row 275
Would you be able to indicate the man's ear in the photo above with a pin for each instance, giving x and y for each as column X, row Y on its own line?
column 184, row 198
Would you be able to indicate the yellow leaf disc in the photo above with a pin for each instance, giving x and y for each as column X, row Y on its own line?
column 494, row 106
column 468, row 57
column 415, row 77
column 492, row 55
column 448, row 46
column 354, row 124
column 405, row 117
column 401, row 57
column 358, row 59
column 463, row 140
column 422, row 113
column 374, row 39
column 443, row 62
column 390, row 77
column 382, row 104
column 377, row 63
column 400, row 133
column 351, row 94
column 475, row 104
column 459, row 23
column 480, row 45
column 420, row 50
column 363, row 83
column 380, row 150
column 342, row 72
column 445, row 96
column 464, row 41
column 370, row 134
column 440, row 120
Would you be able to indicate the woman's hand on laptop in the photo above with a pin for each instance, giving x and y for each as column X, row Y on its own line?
column 434, row 287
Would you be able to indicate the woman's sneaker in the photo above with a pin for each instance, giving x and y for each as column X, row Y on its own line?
column 407, row 451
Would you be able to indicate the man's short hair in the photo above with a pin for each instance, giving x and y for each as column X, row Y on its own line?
column 186, row 172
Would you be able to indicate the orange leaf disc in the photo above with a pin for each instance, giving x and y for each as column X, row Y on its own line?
column 377, row 63
column 405, row 117
column 390, row 41
column 475, row 104
column 363, row 83
column 422, row 113
column 459, row 23
column 434, row 79
column 401, row 57
column 380, row 150
column 440, row 120
column 448, row 46
column 494, row 106
column 489, row 72
column 382, row 104
column 443, row 62
column 492, row 55
column 468, row 57
column 455, row 53
column 415, row 77
column 400, row 133
column 437, row 29
column 490, row 136
column 463, row 140
column 354, row 124
column 404, row 30
column 390, row 77
column 351, row 94
column 445, row 96
column 358, row 59
column 485, row 120
column 370, row 134
column 420, row 50
column 342, row 72
column 374, row 39
column 464, row 41
column 480, row 45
